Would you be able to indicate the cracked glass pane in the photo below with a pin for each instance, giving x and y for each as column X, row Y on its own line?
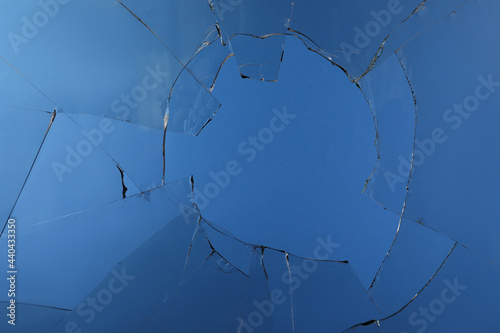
column 416, row 254
column 255, row 31
column 249, row 166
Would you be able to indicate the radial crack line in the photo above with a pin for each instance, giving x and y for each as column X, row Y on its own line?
column 437, row 21
column 39, row 306
column 380, row 49
column 410, row 173
column 97, row 206
column 291, row 291
column 28, row 80
column 31, row 168
column 108, row 153
column 158, row 37
column 174, row 292
column 412, row 299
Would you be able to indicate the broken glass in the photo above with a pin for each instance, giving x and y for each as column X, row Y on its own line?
column 347, row 183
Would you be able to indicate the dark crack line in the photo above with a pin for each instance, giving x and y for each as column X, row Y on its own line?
column 218, row 71
column 319, row 51
column 220, row 24
column 40, row 306
column 284, row 34
column 188, row 254
column 204, row 46
column 496, row 265
column 410, row 173
column 437, row 21
column 376, row 141
column 105, row 150
column 208, row 121
column 210, row 224
column 165, row 124
column 124, row 188
column 410, row 301
column 29, row 109
column 287, row 254
column 291, row 291
column 220, row 255
column 174, row 292
column 29, row 172
column 99, row 206
column 297, row 33
column 167, row 113
column 158, row 37
column 274, row 34
column 375, row 278
column 380, row 49
column 195, row 234
column 27, row 80
column 179, row 202
column 263, row 265
column 248, row 286
column 382, row 45
column 205, row 41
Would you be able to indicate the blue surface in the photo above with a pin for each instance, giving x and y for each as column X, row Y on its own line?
column 249, row 166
